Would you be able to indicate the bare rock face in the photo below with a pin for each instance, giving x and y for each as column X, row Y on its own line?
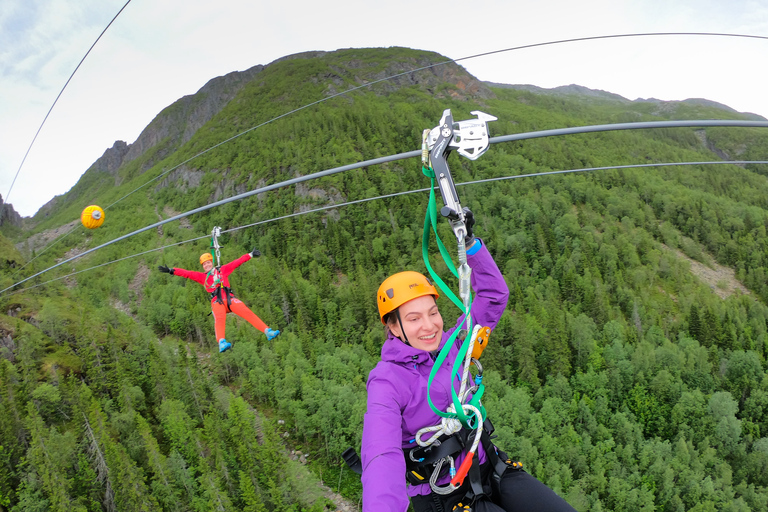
column 8, row 215
column 425, row 71
column 171, row 128
column 177, row 123
column 112, row 158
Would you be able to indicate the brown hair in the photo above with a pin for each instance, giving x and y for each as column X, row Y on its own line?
column 388, row 318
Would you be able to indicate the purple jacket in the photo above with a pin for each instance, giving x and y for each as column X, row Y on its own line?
column 397, row 396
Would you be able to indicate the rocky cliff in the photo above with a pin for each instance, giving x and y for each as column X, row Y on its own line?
column 171, row 128
column 176, row 124
column 8, row 215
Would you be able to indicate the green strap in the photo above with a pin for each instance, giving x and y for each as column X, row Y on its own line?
column 430, row 220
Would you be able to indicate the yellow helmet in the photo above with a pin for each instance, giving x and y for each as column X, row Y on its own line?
column 206, row 256
column 399, row 288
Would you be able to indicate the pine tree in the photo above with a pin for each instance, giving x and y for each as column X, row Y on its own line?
column 694, row 323
column 49, row 461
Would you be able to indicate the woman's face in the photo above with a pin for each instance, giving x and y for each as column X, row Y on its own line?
column 422, row 323
column 207, row 265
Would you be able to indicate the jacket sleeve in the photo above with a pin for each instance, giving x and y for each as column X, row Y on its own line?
column 198, row 277
column 491, row 292
column 232, row 265
column 382, row 456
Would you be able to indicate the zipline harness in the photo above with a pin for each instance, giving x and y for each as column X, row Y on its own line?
column 470, row 139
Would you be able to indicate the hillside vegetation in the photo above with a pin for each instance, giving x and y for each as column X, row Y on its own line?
column 616, row 375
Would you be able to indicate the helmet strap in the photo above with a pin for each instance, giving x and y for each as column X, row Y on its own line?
column 402, row 329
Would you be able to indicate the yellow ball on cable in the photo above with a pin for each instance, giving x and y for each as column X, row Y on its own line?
column 92, row 217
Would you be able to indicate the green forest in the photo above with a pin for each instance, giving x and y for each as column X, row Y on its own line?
column 621, row 375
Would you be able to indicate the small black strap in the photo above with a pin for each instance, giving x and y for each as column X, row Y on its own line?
column 353, row 460
column 428, row 455
column 499, row 465
column 216, row 294
column 475, row 481
column 437, row 502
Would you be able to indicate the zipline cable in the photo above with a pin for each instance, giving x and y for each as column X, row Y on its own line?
column 628, row 126
column 611, row 36
column 108, row 263
column 612, row 167
column 411, row 154
column 267, row 188
column 60, row 238
column 59, row 96
column 395, row 194
column 442, row 63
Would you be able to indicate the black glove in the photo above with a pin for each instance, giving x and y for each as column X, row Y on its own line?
column 164, row 269
column 255, row 253
column 469, row 223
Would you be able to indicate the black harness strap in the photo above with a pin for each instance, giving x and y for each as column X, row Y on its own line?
column 477, row 483
column 227, row 292
column 419, row 461
column 423, row 456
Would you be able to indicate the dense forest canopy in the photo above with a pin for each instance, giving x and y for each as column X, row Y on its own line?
column 618, row 374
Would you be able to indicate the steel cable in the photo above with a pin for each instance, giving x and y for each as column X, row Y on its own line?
column 395, row 194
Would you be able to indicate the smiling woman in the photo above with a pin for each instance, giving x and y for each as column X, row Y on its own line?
column 397, row 410
column 419, row 322
column 411, row 296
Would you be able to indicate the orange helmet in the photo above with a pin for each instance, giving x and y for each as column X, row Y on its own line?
column 206, row 256
column 399, row 288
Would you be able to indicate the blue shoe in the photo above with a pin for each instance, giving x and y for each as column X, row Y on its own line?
column 271, row 333
column 224, row 345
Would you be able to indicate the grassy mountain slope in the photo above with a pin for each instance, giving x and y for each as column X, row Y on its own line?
column 617, row 375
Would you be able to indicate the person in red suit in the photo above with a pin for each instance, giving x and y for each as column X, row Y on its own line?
column 223, row 301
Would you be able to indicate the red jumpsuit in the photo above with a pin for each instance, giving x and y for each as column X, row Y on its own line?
column 223, row 302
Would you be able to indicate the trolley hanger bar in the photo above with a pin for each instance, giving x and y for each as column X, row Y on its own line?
column 470, row 139
column 215, row 234
column 417, row 154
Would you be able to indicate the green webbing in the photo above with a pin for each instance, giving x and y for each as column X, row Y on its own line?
column 430, row 219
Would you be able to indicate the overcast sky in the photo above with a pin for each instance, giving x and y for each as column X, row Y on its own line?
column 160, row 50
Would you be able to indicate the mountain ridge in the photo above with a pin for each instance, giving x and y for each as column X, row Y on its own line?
column 579, row 90
column 176, row 124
